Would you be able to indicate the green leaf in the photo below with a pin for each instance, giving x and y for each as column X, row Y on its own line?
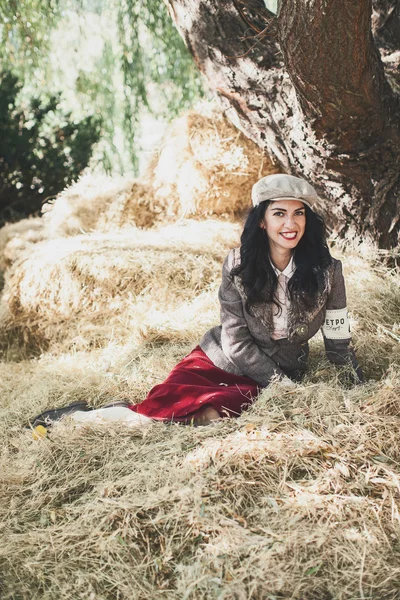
column 313, row 570
column 121, row 540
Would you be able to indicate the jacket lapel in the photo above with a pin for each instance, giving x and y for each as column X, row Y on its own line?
column 298, row 315
column 262, row 310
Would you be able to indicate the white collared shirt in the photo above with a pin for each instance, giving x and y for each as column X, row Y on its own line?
column 280, row 321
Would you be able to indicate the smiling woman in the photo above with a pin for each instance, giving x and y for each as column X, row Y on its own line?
column 278, row 289
column 284, row 223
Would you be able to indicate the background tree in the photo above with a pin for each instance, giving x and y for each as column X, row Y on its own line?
column 81, row 77
column 317, row 87
column 42, row 150
column 121, row 60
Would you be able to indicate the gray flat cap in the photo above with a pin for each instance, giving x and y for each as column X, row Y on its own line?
column 285, row 187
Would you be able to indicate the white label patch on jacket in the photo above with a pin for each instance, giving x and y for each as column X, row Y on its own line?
column 336, row 325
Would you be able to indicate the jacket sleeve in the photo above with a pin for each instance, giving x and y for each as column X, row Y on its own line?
column 336, row 328
column 237, row 342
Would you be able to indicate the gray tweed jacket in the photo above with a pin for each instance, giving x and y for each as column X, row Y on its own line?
column 242, row 344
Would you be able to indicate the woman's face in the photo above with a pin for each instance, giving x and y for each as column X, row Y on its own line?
column 285, row 223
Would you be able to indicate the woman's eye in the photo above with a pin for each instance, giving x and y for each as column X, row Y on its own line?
column 297, row 214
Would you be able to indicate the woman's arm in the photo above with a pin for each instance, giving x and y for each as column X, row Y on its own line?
column 336, row 328
column 237, row 342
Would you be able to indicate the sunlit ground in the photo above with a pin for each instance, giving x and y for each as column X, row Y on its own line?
column 297, row 498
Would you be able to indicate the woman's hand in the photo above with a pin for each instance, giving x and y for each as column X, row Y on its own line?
column 352, row 377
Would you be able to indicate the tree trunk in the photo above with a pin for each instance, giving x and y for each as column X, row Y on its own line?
column 310, row 88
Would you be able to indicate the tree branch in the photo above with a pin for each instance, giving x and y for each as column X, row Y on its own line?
column 241, row 62
column 224, row 25
column 336, row 70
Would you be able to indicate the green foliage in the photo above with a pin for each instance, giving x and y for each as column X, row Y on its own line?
column 25, row 31
column 158, row 55
column 153, row 59
column 122, row 59
column 41, row 149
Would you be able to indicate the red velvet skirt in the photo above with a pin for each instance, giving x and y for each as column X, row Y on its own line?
column 194, row 383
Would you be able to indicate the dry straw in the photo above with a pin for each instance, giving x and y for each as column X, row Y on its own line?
column 81, row 291
column 298, row 498
column 205, row 166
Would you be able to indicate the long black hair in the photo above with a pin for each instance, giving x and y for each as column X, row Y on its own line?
column 311, row 258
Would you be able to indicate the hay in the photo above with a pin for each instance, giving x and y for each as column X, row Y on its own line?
column 16, row 238
column 298, row 498
column 99, row 203
column 205, row 166
column 83, row 290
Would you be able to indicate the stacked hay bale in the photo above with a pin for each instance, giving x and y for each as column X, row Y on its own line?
column 82, row 290
column 205, row 166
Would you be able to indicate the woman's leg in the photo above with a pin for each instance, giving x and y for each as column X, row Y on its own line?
column 193, row 387
column 204, row 416
column 115, row 414
column 121, row 414
column 196, row 391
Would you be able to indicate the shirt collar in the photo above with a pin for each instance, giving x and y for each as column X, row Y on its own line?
column 287, row 271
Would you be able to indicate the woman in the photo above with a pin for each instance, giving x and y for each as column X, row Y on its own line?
column 278, row 289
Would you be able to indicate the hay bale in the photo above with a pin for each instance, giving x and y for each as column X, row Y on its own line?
column 205, row 166
column 93, row 203
column 98, row 203
column 16, row 238
column 85, row 288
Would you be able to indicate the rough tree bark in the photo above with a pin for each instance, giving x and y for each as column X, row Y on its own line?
column 317, row 87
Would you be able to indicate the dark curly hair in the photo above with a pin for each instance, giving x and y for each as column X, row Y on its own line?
column 311, row 258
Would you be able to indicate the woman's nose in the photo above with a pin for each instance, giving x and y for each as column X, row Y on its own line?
column 290, row 220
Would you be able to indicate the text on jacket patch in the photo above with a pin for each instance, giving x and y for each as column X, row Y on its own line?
column 336, row 325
